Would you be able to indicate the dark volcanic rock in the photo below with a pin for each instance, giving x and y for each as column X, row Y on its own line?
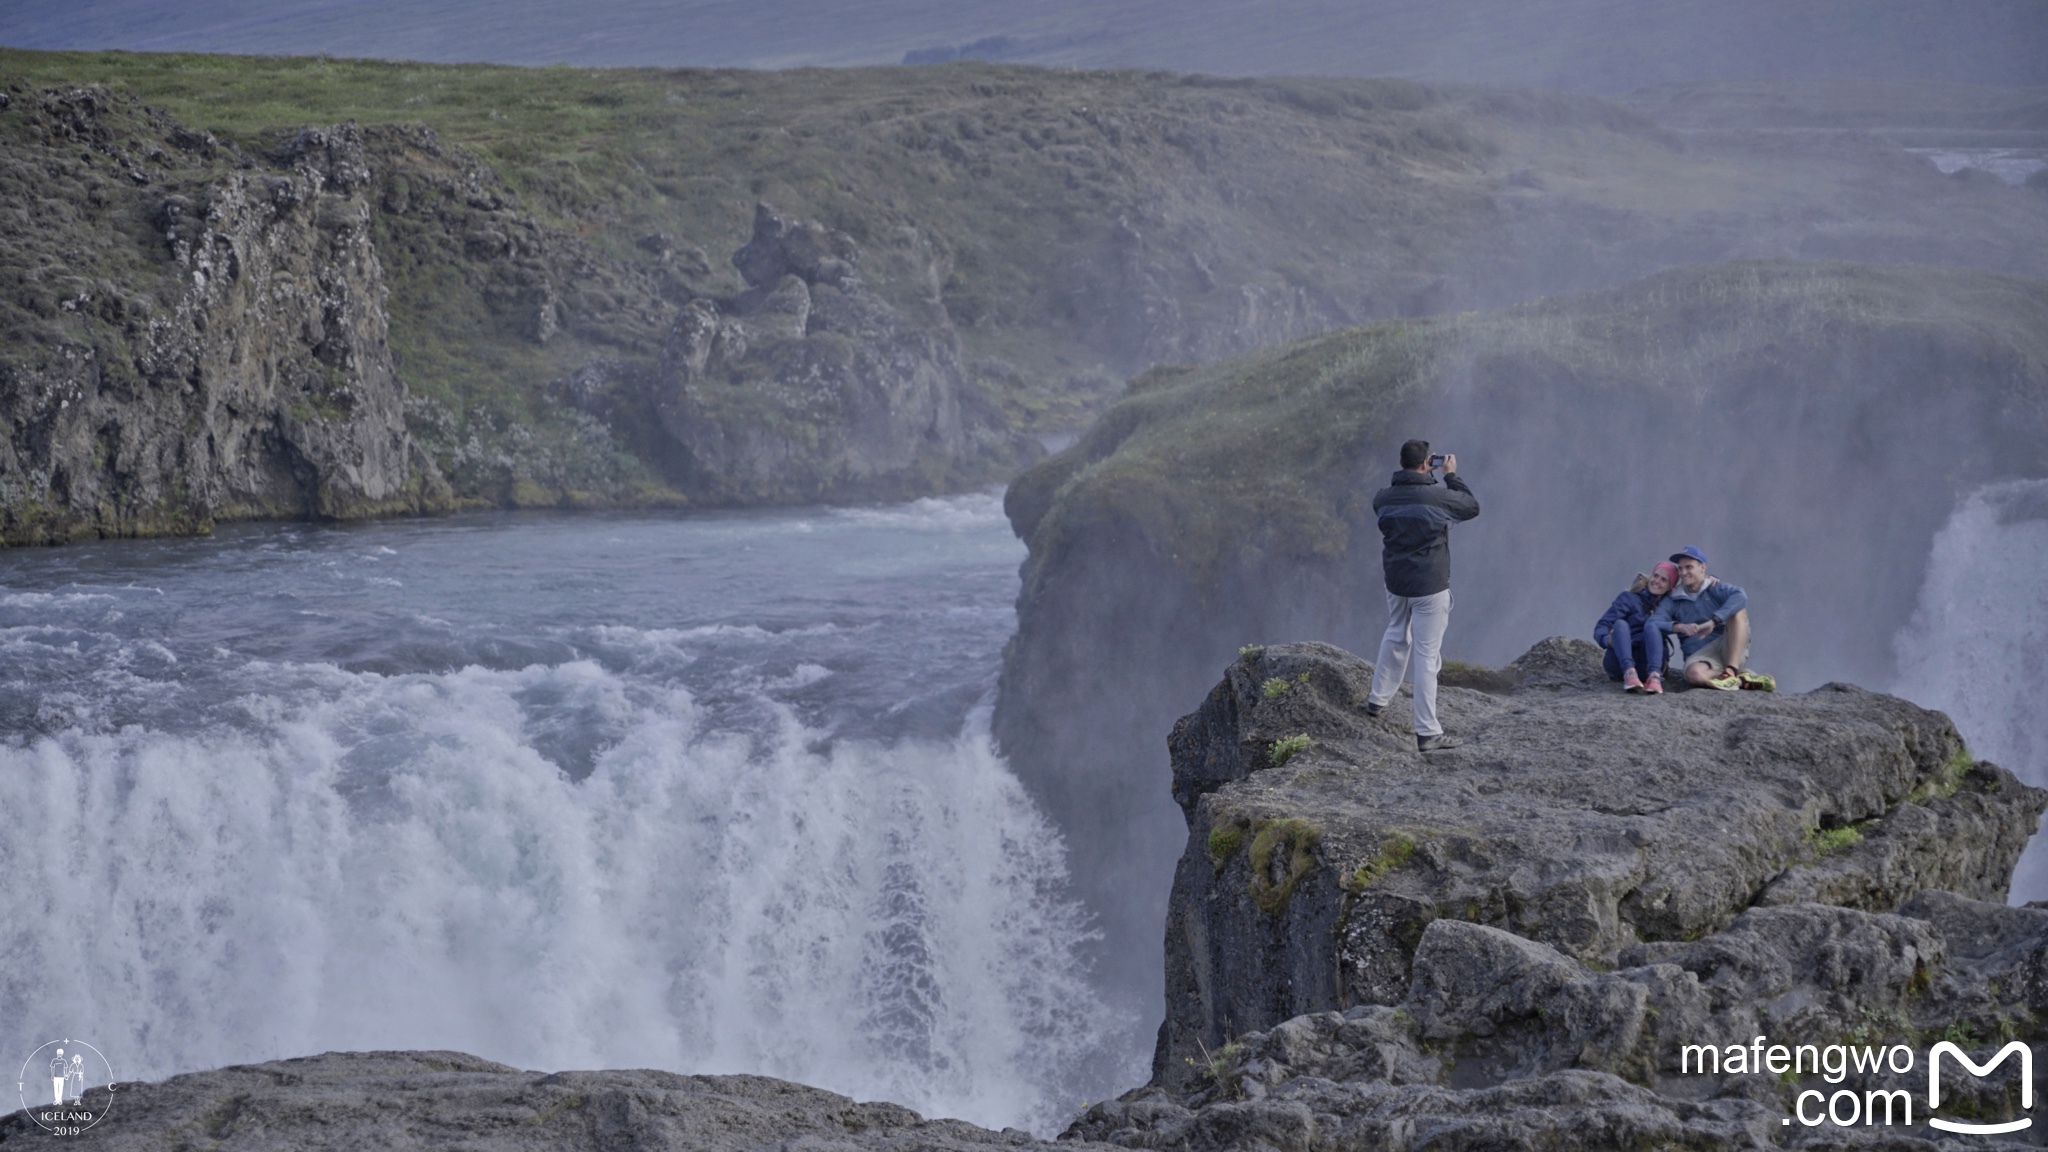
column 448, row 1099
column 808, row 385
column 1503, row 1042
column 199, row 345
column 1576, row 817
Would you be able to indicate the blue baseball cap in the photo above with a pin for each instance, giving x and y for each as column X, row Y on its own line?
column 1689, row 553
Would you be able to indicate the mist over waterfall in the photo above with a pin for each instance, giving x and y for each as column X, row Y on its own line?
column 1977, row 647
column 563, row 793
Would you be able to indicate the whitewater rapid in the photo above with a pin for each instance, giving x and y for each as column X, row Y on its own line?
column 700, row 794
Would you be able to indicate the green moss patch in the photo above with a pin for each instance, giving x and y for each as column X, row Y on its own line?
column 1282, row 852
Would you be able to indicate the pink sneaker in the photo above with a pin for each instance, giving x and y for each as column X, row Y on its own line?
column 1630, row 682
column 1654, row 686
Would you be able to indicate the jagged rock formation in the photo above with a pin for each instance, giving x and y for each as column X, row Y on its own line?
column 1500, row 1041
column 444, row 1099
column 1576, row 816
column 809, row 385
column 228, row 359
column 1512, row 943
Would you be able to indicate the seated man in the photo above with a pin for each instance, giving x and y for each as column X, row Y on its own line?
column 1711, row 619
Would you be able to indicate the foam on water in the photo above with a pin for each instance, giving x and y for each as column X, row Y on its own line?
column 660, row 850
column 1977, row 647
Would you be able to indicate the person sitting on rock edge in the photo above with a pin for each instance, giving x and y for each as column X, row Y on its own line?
column 1711, row 619
column 1626, row 635
column 1415, row 517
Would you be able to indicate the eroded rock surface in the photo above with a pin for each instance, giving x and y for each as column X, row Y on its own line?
column 226, row 357
column 809, row 385
column 450, row 1100
column 1579, row 825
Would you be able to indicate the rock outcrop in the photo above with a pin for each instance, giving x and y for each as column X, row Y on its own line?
column 1513, row 943
column 233, row 363
column 1220, row 506
column 1575, row 816
column 809, row 385
column 449, row 1099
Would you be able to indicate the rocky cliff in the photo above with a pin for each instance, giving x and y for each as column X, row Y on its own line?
column 222, row 353
column 200, row 331
column 1576, row 816
column 1810, row 425
column 1513, row 942
column 808, row 385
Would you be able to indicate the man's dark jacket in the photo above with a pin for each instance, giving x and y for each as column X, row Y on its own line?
column 1416, row 514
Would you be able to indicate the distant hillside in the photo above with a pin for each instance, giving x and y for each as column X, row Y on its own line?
column 1582, row 45
column 1023, row 239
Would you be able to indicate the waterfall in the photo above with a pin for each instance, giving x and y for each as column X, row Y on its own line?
column 1977, row 645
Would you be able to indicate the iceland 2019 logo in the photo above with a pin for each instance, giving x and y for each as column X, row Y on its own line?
column 66, row 1086
column 1980, row 1071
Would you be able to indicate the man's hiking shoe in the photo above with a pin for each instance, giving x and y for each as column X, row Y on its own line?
column 1654, row 686
column 1630, row 682
column 1372, row 709
column 1757, row 681
column 1437, row 743
column 1729, row 681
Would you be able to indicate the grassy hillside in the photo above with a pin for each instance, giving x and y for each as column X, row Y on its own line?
column 1078, row 227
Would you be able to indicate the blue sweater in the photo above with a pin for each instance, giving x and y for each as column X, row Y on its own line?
column 1717, row 602
column 1632, row 608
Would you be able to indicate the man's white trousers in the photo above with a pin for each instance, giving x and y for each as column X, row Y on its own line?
column 1415, row 634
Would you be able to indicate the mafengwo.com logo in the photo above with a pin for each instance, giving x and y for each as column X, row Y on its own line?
column 1886, row 1103
column 66, row 1087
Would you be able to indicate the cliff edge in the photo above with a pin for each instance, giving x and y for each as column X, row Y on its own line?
column 1528, row 930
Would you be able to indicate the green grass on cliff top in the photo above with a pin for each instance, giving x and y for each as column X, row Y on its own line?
column 1266, row 452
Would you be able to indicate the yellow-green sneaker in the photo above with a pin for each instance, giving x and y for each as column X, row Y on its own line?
column 1757, row 681
column 1728, row 681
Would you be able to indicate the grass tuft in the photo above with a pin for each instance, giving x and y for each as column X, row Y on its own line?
column 1394, row 853
column 1283, row 749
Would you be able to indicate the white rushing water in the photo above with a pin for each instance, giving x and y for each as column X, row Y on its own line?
column 1977, row 647
column 580, row 830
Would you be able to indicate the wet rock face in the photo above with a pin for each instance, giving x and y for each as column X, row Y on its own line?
column 447, row 1099
column 808, row 385
column 1578, row 825
column 235, row 364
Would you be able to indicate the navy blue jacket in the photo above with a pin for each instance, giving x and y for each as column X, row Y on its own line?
column 1416, row 515
column 1633, row 608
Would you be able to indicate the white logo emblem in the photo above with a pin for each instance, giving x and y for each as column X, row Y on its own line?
column 66, row 1086
column 1980, row 1070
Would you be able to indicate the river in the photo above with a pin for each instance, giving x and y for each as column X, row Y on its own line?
column 707, row 792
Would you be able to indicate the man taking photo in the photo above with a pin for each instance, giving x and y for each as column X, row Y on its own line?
column 1415, row 515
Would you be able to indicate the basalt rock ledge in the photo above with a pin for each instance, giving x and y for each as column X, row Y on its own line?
column 1509, row 944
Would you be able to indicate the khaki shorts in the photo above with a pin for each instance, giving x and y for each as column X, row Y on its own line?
column 1715, row 654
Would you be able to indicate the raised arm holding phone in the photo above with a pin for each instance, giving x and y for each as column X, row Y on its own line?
column 1415, row 516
